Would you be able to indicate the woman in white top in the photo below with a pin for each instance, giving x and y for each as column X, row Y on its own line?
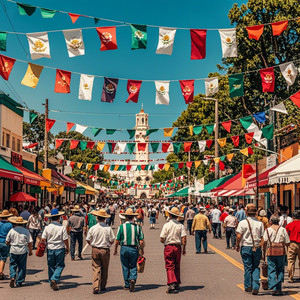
column 34, row 225
column 275, row 234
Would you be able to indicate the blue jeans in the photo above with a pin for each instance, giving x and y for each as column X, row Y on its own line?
column 76, row 236
column 129, row 256
column 4, row 251
column 230, row 235
column 200, row 235
column 251, row 260
column 216, row 228
column 152, row 220
column 275, row 272
column 56, row 263
column 17, row 267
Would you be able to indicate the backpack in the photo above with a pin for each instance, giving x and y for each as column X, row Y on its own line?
column 153, row 213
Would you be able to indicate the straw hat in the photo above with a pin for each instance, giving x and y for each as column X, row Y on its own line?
column 175, row 212
column 100, row 213
column 5, row 214
column 202, row 208
column 231, row 209
column 76, row 208
column 129, row 212
column 17, row 220
column 250, row 208
column 54, row 213
column 262, row 213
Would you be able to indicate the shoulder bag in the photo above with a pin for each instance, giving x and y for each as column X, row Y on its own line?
column 275, row 249
column 254, row 248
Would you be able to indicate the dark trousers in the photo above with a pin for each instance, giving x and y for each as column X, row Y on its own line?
column 76, row 236
column 200, row 235
column 172, row 259
column 34, row 234
column 216, row 228
column 189, row 224
column 230, row 235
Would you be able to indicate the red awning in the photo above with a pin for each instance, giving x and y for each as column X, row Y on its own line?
column 31, row 177
column 263, row 179
column 11, row 175
column 68, row 182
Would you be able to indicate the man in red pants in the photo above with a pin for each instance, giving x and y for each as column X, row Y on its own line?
column 173, row 236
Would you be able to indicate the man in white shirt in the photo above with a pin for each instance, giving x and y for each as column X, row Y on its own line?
column 215, row 222
column 56, row 237
column 100, row 237
column 250, row 238
column 284, row 218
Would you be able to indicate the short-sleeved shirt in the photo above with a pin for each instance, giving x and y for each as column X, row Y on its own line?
column 280, row 237
column 25, row 215
column 285, row 220
column 152, row 212
column 215, row 215
column 101, row 236
column 77, row 222
column 92, row 220
column 19, row 238
column 231, row 221
column 130, row 234
column 173, row 231
column 55, row 234
column 190, row 214
column 257, row 231
column 241, row 215
column 34, row 222
column 293, row 230
column 5, row 227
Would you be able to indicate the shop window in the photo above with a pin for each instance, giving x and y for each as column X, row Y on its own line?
column 7, row 140
column 13, row 144
column 18, row 145
column 142, row 120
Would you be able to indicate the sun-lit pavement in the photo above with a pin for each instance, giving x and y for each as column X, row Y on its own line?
column 204, row 276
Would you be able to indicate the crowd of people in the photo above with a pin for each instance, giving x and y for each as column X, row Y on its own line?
column 256, row 234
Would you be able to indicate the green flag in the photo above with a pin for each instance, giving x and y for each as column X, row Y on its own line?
column 151, row 167
column 26, row 10
column 222, row 157
column 110, row 131
column 131, row 133
column 210, row 128
column 149, row 131
column 246, row 121
column 112, row 168
column 268, row 131
column 236, row 85
column 139, row 168
column 175, row 165
column 3, row 38
column 197, row 129
column 154, row 147
column 83, row 145
column 32, row 117
column 139, row 36
column 110, row 147
column 176, row 147
column 47, row 13
column 95, row 131
column 130, row 147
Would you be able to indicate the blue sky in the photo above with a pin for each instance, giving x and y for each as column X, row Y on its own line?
column 125, row 63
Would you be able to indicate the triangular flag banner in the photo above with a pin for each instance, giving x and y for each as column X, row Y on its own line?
column 111, row 147
column 74, row 17
column 131, row 133
column 62, row 81
column 228, row 42
column 26, row 10
column 222, row 142
column 49, row 124
column 79, row 165
column 58, row 143
column 217, row 160
column 245, row 151
column 210, row 128
column 96, row 167
column 167, row 167
column 130, row 147
column 189, row 164
column 176, row 147
column 202, row 145
column 120, row 147
column 267, row 79
column 187, row 146
column 165, row 147
column 162, row 92
column 80, row 128
column 209, row 143
column 180, row 165
column 72, row 164
column 197, row 129
column 32, row 117
column 69, row 126
column 230, row 157
column 198, row 40
column 222, row 166
column 133, row 89
column 109, row 89
column 254, row 32
column 249, row 137
column 165, row 41
column 191, row 129
column 6, row 65
column 100, row 146
column 268, row 131
column 95, row 131
column 3, row 38
column 175, row 166
column 74, row 144
column 38, row 45
column 142, row 146
column 289, row 72
column 110, row 131
column 161, row 166
column 86, row 87
column 32, row 75
column 211, row 86
column 47, row 13
column 197, row 163
column 168, row 131
column 187, row 89
column 105, row 168
column 90, row 145
column 247, row 171
column 296, row 98
column 108, row 38
column 83, row 145
column 260, row 117
column 227, row 126
column 74, row 42
column 279, row 27
column 235, row 140
column 154, row 147
column 246, row 121
column 236, row 85
column 139, row 36
column 149, row 131
column 89, row 166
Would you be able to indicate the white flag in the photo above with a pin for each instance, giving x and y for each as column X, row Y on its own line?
column 257, row 135
column 289, row 72
column 280, row 108
column 165, row 41
column 264, row 142
column 38, row 45
column 86, row 87
column 211, row 86
column 205, row 161
column 202, row 145
column 253, row 128
column 80, row 128
column 162, row 92
column 120, row 147
column 101, row 167
column 171, row 148
column 74, row 42
column 228, row 41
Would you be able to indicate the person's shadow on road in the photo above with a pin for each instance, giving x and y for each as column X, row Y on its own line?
column 191, row 288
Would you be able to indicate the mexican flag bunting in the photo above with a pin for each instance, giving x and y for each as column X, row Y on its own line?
column 289, row 72
column 62, row 81
column 32, row 75
column 72, row 164
column 211, row 86
column 3, row 38
column 90, row 145
column 38, row 45
column 110, row 131
column 176, row 147
column 96, row 167
column 133, row 89
column 209, row 143
column 235, row 140
column 154, row 147
column 25, row 10
column 86, row 87
column 267, row 79
column 165, row 147
column 105, row 168
column 175, row 166
column 260, row 117
column 89, row 166
column 150, row 131
column 74, row 17
column 197, row 129
column 268, row 131
column 168, row 131
column 95, row 131
column 296, row 99
column 187, row 89
column 74, row 42
column 120, row 147
column 236, row 85
column 210, row 128
column 206, row 161
column 79, row 165
column 58, row 143
column 128, row 168
column 228, row 42
column 80, row 128
column 222, row 166
column 189, row 164
column 279, row 27
column 202, row 145
column 109, row 90
column 161, row 166
column 108, row 38
column 32, row 117
column 111, row 147
column 197, row 163
column 217, row 160
column 254, row 32
column 230, row 157
column 100, row 146
column 257, row 135
column 198, row 40
column 131, row 133
column 246, row 121
column 165, row 41
column 247, row 171
column 142, row 146
column 170, row 149
column 162, row 92
column 245, row 152
column 222, row 142
column 187, row 146
column 227, row 125
column 167, row 167
column 47, row 13
column 69, row 126
column 130, row 147
column 49, row 124
column 73, row 144
column 180, row 165
column 249, row 137
column 280, row 108
column 83, row 145
column 139, row 36
column 6, row 65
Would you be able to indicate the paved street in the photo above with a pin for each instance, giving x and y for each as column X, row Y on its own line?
column 207, row 276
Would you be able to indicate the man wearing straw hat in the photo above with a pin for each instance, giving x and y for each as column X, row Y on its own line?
column 173, row 236
column 5, row 227
column 100, row 237
column 20, row 242
column 56, row 237
column 130, row 236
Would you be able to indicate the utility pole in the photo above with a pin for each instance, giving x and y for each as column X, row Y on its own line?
column 216, row 137
column 189, row 174
column 46, row 136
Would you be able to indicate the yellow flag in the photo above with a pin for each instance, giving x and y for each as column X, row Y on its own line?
column 167, row 166
column 46, row 173
column 191, row 128
column 244, row 151
column 106, row 167
column 79, row 165
column 88, row 166
column 197, row 163
column 230, row 156
column 61, row 190
column 116, row 167
column 32, row 75
column 222, row 142
column 217, row 160
column 100, row 146
column 168, row 132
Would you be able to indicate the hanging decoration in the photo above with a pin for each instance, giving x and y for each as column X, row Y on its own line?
column 32, row 76
column 165, row 41
column 38, row 45
column 198, row 40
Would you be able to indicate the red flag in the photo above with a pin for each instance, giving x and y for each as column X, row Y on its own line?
column 72, row 164
column 128, row 167
column 90, row 145
column 209, row 143
column 187, row 146
column 143, row 167
column 133, row 89
column 165, row 147
column 6, row 65
column 250, row 150
column 142, row 146
column 31, row 146
column 181, row 165
column 96, row 167
column 189, row 164
column 74, row 144
column 62, row 81
column 279, row 27
column 236, row 140
column 73, row 17
column 296, row 98
column 227, row 125
column 161, row 166
column 221, row 166
column 198, row 38
column 58, row 143
column 49, row 124
column 187, row 89
column 267, row 79
column 108, row 38
column 249, row 137
column 69, row 126
column 254, row 32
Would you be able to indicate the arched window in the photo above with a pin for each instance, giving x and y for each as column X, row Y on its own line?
column 137, row 120
column 142, row 120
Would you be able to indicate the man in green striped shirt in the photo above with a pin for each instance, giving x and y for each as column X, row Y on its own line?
column 130, row 236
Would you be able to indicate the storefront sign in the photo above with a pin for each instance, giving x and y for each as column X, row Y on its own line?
column 16, row 159
column 288, row 139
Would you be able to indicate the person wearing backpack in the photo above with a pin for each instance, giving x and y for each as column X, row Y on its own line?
column 284, row 218
column 152, row 212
